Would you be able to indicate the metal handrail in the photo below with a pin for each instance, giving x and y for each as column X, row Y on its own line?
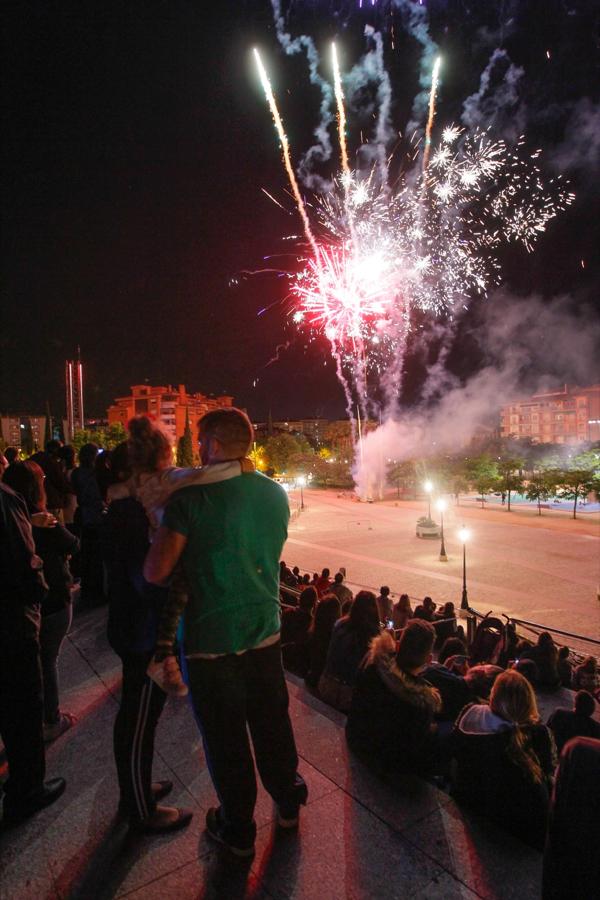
column 569, row 634
column 534, row 626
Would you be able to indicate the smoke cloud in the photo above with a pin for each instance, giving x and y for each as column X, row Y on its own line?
column 529, row 345
column 496, row 104
column 370, row 70
column 321, row 151
column 580, row 150
column 414, row 18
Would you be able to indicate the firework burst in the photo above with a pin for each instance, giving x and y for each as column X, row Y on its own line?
column 430, row 243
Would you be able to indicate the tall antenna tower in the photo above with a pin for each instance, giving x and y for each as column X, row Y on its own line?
column 74, row 393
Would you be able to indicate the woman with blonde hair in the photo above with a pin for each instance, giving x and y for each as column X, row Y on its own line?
column 402, row 612
column 505, row 759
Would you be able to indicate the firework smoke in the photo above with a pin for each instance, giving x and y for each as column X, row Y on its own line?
column 427, row 239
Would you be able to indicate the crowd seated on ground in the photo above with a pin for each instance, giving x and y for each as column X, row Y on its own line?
column 295, row 627
column 420, row 699
column 327, row 613
column 349, row 643
column 340, row 590
column 576, row 722
column 586, row 677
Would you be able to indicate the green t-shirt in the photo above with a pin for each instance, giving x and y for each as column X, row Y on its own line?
column 235, row 533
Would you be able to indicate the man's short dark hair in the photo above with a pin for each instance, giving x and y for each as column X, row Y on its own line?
column 384, row 590
column 338, row 578
column 584, row 703
column 416, row 643
column 325, row 573
column 231, row 427
column 53, row 446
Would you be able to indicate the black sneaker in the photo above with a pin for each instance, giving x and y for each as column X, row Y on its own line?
column 288, row 811
column 219, row 831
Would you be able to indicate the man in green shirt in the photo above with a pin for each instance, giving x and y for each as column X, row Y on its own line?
column 229, row 536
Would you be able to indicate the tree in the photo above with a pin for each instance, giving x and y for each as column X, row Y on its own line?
column 279, row 449
column 83, row 436
column 185, row 449
column 303, row 464
column 541, row 486
column 510, row 480
column 257, row 455
column 483, row 473
column 111, row 437
column 458, row 485
column 576, row 484
column 402, row 475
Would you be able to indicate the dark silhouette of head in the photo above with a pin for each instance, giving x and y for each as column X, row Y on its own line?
column 584, row 704
column 87, row 455
column 27, row 479
column 308, row 598
column 452, row 646
column 11, row 454
column 327, row 613
column 364, row 615
column 416, row 644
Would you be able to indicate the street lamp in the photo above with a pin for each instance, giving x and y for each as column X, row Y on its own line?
column 301, row 481
column 441, row 505
column 464, row 535
column 428, row 487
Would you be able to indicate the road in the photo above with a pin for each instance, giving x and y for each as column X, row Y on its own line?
column 545, row 569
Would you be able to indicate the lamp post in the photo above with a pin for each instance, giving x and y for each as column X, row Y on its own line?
column 301, row 481
column 441, row 505
column 428, row 487
column 464, row 535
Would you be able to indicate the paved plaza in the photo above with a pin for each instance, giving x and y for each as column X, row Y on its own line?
column 540, row 568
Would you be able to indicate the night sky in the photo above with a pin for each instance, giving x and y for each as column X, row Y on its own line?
column 135, row 143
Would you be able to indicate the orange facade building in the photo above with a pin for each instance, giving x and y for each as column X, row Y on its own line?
column 568, row 416
column 167, row 405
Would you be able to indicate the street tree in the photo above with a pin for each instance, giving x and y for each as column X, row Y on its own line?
column 458, row 484
column 402, row 475
column 279, row 449
column 541, row 486
column 510, row 478
column 257, row 455
column 576, row 484
column 185, row 447
column 482, row 471
column 114, row 435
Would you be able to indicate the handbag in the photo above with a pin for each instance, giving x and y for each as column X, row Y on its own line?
column 335, row 692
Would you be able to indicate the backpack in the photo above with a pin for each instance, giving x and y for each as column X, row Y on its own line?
column 488, row 642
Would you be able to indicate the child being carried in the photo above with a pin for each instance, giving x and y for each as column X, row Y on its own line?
column 153, row 481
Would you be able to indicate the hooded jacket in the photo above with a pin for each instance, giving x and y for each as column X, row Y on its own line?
column 487, row 779
column 390, row 723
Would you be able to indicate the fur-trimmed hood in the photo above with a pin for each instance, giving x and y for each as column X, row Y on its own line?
column 408, row 688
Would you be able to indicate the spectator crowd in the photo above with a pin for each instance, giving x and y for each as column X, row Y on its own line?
column 420, row 698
